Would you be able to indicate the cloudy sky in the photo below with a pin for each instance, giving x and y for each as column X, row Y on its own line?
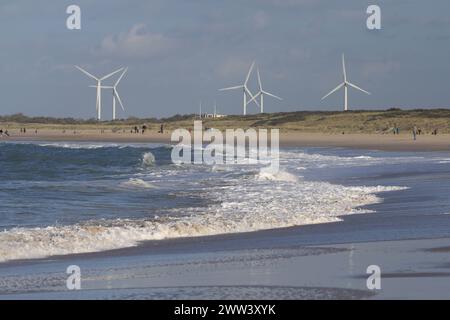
column 182, row 51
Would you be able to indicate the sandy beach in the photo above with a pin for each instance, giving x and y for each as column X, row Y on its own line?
column 387, row 142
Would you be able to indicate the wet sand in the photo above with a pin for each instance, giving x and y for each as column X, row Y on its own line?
column 409, row 270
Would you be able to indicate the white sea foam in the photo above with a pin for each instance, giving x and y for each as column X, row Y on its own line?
column 148, row 159
column 96, row 145
column 276, row 175
column 243, row 208
column 137, row 183
column 321, row 161
column 241, row 202
column 71, row 145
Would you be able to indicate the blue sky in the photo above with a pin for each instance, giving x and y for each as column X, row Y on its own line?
column 182, row 51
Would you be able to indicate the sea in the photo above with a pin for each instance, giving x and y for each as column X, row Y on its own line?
column 65, row 198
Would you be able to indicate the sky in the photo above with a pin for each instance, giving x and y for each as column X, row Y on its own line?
column 180, row 52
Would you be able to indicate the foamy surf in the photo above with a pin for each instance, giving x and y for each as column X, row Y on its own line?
column 195, row 200
column 137, row 183
column 148, row 159
column 240, row 211
column 276, row 175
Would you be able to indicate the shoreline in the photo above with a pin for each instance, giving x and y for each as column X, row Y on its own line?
column 330, row 271
column 382, row 142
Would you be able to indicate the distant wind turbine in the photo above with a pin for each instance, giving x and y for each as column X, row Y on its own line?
column 98, row 104
column 244, row 87
column 262, row 92
column 345, row 84
column 115, row 94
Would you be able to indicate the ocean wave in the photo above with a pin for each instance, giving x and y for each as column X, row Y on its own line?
column 95, row 145
column 148, row 159
column 137, row 183
column 242, row 208
column 78, row 145
column 276, row 175
column 321, row 161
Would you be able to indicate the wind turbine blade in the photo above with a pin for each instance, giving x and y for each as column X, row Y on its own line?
column 111, row 74
column 259, row 80
column 247, row 91
column 116, row 94
column 253, row 98
column 249, row 73
column 343, row 68
column 121, row 76
column 271, row 95
column 231, row 88
column 257, row 103
column 358, row 88
column 86, row 73
column 334, row 90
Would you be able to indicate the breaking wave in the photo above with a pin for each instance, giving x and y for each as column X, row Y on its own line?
column 137, row 183
column 212, row 200
column 276, row 175
column 148, row 159
column 240, row 210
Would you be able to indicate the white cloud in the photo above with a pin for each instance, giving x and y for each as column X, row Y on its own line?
column 138, row 42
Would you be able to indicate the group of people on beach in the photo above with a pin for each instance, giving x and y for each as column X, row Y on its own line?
column 144, row 128
column 417, row 132
column 136, row 129
column 24, row 130
column 4, row 133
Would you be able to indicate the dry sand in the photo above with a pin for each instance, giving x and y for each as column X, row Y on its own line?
column 388, row 142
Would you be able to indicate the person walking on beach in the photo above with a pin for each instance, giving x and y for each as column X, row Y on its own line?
column 415, row 133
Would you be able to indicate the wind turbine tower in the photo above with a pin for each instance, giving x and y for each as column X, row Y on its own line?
column 98, row 104
column 247, row 93
column 116, row 95
column 345, row 85
column 261, row 93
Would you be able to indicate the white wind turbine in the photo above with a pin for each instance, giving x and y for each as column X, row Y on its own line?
column 345, row 84
column 115, row 94
column 246, row 90
column 262, row 92
column 98, row 104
